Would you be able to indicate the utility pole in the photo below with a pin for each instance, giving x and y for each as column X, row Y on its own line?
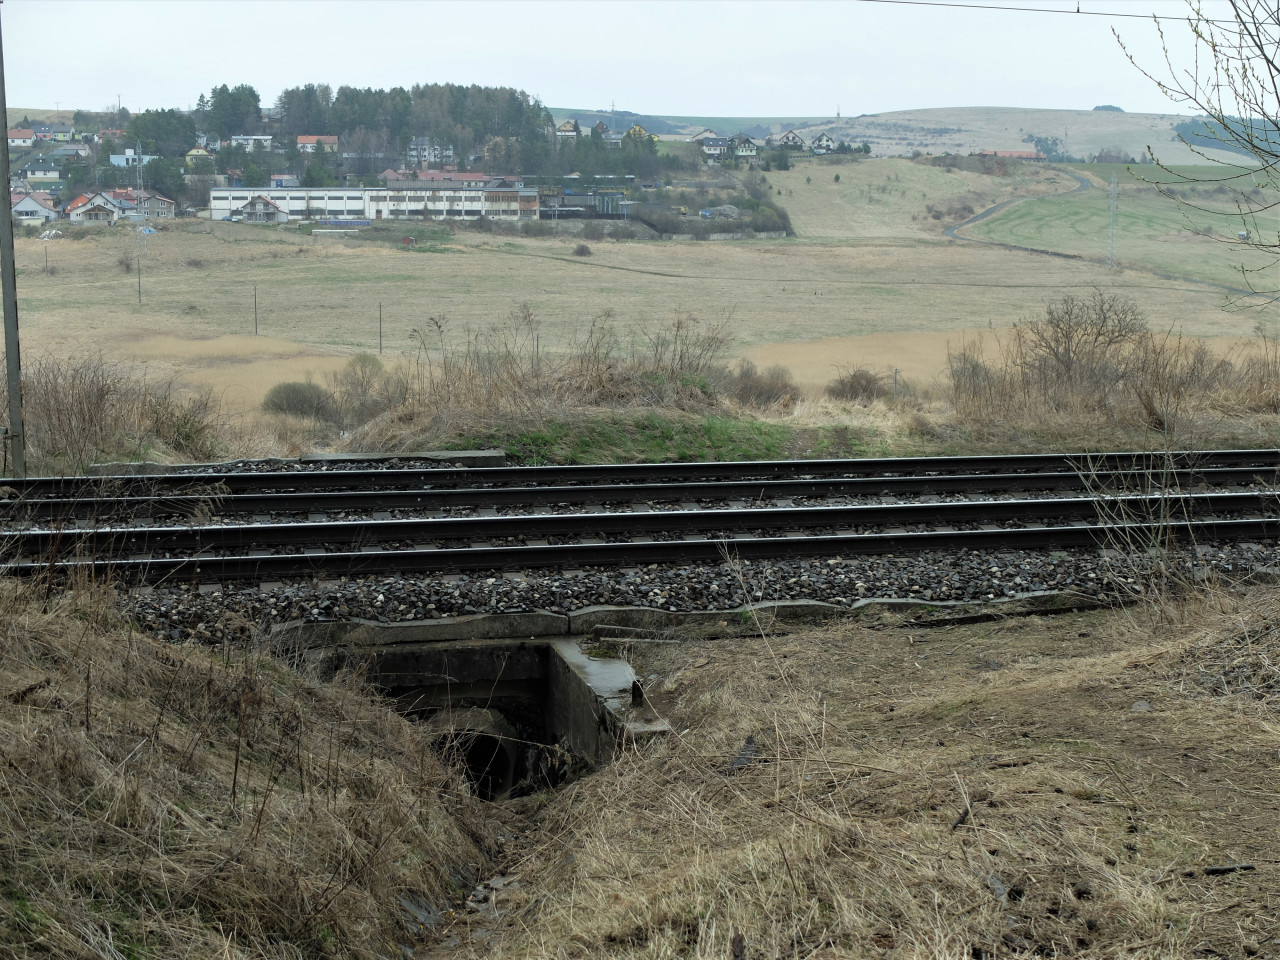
column 1113, row 203
column 9, row 290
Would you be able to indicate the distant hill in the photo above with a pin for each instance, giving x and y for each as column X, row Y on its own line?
column 1081, row 133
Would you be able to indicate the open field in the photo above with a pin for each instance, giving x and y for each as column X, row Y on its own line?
column 869, row 261
column 1153, row 233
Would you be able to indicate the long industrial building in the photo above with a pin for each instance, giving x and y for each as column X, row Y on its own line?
column 498, row 199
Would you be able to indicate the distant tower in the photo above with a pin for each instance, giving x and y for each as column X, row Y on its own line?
column 1113, row 203
column 837, row 111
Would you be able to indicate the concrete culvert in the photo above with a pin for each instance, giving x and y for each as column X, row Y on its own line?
column 483, row 744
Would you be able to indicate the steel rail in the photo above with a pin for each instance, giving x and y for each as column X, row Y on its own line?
column 527, row 496
column 120, row 541
column 197, row 570
column 440, row 478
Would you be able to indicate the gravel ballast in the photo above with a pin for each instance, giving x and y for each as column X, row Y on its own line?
column 218, row 614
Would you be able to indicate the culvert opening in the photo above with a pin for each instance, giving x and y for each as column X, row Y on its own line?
column 483, row 759
column 515, row 716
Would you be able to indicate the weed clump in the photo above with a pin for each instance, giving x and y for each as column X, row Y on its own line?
column 582, row 250
column 84, row 411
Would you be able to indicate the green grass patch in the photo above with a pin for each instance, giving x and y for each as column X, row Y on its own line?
column 651, row 437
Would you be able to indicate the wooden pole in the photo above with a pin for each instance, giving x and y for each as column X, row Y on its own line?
column 9, row 291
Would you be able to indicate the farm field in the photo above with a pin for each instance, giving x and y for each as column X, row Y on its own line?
column 869, row 264
column 1153, row 232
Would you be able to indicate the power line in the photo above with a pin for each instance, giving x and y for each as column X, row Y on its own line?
column 1077, row 12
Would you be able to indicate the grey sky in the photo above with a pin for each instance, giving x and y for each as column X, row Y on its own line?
column 691, row 58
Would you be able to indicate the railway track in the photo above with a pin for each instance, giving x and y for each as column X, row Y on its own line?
column 254, row 527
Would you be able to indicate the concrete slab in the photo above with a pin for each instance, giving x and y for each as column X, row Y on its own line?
column 496, row 626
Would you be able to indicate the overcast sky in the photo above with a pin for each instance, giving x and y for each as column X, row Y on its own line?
column 688, row 58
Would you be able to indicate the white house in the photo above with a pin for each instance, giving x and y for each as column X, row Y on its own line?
column 791, row 141
column 251, row 142
column 131, row 159
column 30, row 209
column 97, row 208
column 22, row 138
column 822, row 143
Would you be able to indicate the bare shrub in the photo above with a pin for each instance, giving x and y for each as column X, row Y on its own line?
column 1092, row 361
column 301, row 399
column 582, row 250
column 592, row 231
column 752, row 387
column 357, row 389
column 125, row 262
column 859, row 385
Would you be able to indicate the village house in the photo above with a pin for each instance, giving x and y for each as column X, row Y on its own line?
column 150, row 204
column 131, row 159
column 68, row 152
column 567, row 129
column 195, row 155
column 22, row 138
column 714, row 149
column 822, row 143
column 425, row 150
column 702, row 135
column 745, row 150
column 98, row 208
column 791, row 141
column 308, row 143
column 56, row 132
column 251, row 142
column 33, row 208
column 260, row 209
column 41, row 170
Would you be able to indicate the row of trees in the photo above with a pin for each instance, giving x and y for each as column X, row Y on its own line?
column 513, row 131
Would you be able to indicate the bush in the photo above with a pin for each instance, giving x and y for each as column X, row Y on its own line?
column 299, row 399
column 859, row 385
column 358, row 389
column 592, row 231
column 582, row 250
column 753, row 388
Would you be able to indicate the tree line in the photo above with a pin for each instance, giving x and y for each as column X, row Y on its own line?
column 511, row 130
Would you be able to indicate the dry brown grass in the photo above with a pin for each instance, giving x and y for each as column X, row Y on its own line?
column 1093, row 361
column 1038, row 787
column 87, row 410
column 168, row 801
column 505, row 374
